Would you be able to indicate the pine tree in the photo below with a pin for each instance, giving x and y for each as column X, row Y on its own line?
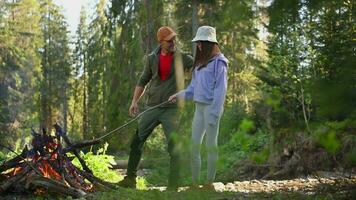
column 79, row 103
column 55, row 66
column 19, row 66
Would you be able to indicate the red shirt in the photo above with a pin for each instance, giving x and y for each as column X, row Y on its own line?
column 164, row 65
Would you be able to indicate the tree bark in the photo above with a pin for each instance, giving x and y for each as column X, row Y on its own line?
column 54, row 186
column 194, row 22
column 13, row 179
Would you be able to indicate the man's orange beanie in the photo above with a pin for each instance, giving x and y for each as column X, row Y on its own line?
column 165, row 33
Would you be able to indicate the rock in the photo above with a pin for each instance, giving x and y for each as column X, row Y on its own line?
column 219, row 186
column 230, row 187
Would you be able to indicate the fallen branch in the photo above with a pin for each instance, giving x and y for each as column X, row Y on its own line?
column 54, row 186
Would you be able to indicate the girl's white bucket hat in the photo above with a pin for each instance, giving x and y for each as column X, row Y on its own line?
column 205, row 33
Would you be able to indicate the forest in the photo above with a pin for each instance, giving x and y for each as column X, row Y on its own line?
column 289, row 113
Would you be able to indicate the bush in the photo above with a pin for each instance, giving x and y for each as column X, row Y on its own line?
column 100, row 163
column 242, row 146
column 2, row 157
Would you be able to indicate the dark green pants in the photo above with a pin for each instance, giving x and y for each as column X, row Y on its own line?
column 168, row 118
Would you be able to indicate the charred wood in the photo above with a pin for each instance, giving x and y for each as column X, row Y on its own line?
column 13, row 179
column 54, row 186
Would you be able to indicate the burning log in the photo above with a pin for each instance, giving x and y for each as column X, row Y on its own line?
column 47, row 168
column 61, row 133
column 53, row 186
column 14, row 179
column 14, row 161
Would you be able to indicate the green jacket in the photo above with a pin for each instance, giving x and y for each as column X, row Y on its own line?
column 158, row 91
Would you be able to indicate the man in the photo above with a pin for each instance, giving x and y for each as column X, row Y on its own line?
column 162, row 70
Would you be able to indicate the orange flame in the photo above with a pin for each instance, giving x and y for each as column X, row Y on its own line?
column 17, row 170
column 48, row 171
column 40, row 191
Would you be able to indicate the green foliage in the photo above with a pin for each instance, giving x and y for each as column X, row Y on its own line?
column 155, row 194
column 274, row 99
column 243, row 145
column 304, row 63
column 260, row 157
column 6, row 155
column 156, row 142
column 334, row 89
column 56, row 67
column 100, row 162
column 20, row 39
column 246, row 142
column 329, row 141
column 141, row 183
column 332, row 134
column 246, row 125
column 2, row 157
column 194, row 195
column 339, row 125
column 351, row 157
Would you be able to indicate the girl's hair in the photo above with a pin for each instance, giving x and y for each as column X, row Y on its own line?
column 209, row 50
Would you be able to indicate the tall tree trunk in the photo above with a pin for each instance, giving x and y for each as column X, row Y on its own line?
column 233, row 69
column 76, row 104
column 65, row 106
column 150, row 35
column 85, row 100
column 194, row 22
column 303, row 107
column 46, row 92
column 4, row 109
column 104, row 89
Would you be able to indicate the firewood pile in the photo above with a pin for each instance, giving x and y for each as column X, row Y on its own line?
column 46, row 168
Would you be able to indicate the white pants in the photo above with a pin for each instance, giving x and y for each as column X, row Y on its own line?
column 199, row 129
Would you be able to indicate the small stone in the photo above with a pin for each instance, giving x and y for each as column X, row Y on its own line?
column 230, row 187
column 219, row 186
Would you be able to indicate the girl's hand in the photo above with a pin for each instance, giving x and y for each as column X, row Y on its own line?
column 173, row 98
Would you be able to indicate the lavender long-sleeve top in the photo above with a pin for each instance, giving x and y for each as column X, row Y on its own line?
column 209, row 86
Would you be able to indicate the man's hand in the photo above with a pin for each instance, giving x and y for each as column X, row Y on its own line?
column 133, row 109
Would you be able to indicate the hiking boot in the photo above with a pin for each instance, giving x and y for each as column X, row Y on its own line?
column 128, row 182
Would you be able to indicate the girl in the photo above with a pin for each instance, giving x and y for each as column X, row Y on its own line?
column 208, row 90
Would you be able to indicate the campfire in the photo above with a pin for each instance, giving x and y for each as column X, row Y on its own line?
column 46, row 168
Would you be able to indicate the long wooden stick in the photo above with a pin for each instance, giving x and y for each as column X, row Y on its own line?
column 14, row 179
column 81, row 145
column 14, row 161
column 132, row 120
column 69, row 143
column 24, row 159
column 54, row 186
